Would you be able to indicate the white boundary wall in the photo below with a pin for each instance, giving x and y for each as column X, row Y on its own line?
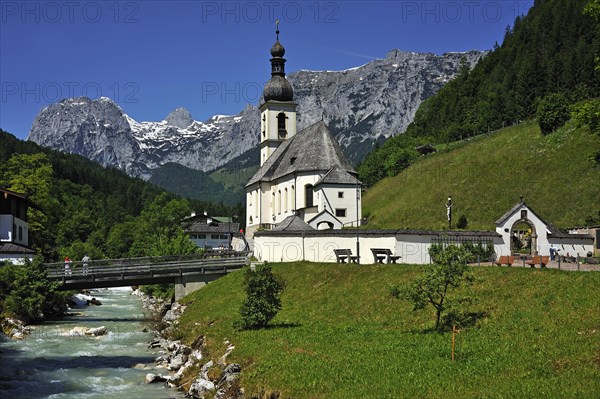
column 318, row 246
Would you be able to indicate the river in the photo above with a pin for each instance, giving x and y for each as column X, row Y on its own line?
column 49, row 363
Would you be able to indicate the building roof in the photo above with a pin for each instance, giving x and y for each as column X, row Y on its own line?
column 198, row 224
column 198, row 227
column 292, row 223
column 11, row 248
column 556, row 233
column 425, row 149
column 552, row 230
column 337, row 175
column 387, row 232
column 29, row 202
column 313, row 149
column 325, row 216
column 514, row 209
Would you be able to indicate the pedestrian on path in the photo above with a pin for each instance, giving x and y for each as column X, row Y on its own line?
column 67, row 266
column 86, row 261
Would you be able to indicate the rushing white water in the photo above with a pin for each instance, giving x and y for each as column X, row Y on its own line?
column 52, row 363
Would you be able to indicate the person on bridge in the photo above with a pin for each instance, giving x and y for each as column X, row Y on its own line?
column 67, row 266
column 86, row 261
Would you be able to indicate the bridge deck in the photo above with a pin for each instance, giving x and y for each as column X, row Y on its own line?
column 143, row 271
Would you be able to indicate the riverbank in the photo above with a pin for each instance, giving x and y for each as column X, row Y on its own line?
column 53, row 361
column 189, row 368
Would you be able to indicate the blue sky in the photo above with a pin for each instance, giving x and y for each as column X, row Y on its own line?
column 211, row 57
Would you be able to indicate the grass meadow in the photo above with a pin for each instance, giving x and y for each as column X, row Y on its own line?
column 556, row 174
column 340, row 334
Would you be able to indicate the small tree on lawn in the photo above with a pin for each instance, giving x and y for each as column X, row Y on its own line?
column 462, row 222
column 448, row 271
column 552, row 112
column 263, row 297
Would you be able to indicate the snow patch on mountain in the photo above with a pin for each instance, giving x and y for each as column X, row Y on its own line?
column 360, row 105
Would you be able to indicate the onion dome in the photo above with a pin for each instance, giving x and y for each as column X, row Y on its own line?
column 277, row 50
column 278, row 88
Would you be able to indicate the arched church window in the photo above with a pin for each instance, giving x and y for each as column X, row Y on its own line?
column 281, row 129
column 279, row 202
column 285, row 200
column 308, row 195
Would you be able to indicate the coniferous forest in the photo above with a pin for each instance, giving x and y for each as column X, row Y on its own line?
column 554, row 49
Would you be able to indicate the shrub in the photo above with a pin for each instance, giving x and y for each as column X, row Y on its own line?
column 263, row 297
column 462, row 222
column 26, row 294
column 164, row 291
column 552, row 112
column 587, row 113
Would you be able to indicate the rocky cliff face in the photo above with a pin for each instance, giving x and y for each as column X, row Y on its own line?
column 360, row 105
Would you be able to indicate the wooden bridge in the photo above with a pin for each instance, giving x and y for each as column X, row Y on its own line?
column 187, row 272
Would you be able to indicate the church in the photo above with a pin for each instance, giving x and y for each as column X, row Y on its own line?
column 305, row 181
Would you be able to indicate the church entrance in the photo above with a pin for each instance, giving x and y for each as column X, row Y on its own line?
column 523, row 238
column 325, row 225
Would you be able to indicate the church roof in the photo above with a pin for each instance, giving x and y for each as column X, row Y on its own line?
column 311, row 150
column 337, row 175
column 292, row 223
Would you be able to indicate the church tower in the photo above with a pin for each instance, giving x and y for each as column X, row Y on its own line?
column 278, row 113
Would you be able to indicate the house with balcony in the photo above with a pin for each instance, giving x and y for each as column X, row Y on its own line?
column 14, row 227
column 210, row 232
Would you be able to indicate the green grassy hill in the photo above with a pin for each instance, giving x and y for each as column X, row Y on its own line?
column 341, row 335
column 556, row 174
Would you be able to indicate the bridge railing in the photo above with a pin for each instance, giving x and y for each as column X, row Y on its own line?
column 205, row 263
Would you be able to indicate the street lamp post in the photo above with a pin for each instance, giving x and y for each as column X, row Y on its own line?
column 231, row 220
column 357, row 222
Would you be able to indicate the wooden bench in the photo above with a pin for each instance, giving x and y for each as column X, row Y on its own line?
column 505, row 260
column 381, row 254
column 538, row 260
column 342, row 254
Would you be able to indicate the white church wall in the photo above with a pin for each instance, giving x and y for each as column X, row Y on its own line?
column 252, row 209
column 283, row 204
column 302, row 180
column 270, row 122
column 265, row 202
column 331, row 200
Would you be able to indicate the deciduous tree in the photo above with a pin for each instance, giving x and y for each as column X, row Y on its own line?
column 263, row 297
column 448, row 271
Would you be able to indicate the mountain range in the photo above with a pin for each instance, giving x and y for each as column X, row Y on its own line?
column 361, row 106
